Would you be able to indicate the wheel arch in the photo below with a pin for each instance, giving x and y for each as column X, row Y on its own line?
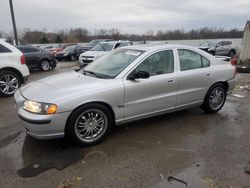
column 15, row 71
column 225, row 84
column 93, row 102
column 44, row 58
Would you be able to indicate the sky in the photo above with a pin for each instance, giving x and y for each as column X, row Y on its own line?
column 130, row 16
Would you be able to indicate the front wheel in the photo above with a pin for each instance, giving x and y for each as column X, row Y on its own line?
column 72, row 58
column 89, row 124
column 231, row 53
column 9, row 83
column 215, row 98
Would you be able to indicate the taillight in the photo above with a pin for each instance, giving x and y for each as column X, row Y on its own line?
column 23, row 61
column 233, row 61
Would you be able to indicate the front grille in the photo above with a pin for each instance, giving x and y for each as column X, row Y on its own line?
column 87, row 57
column 87, row 61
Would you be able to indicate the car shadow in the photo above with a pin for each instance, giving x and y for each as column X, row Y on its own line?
column 42, row 155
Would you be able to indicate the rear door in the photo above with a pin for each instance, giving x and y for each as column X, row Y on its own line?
column 155, row 94
column 194, row 78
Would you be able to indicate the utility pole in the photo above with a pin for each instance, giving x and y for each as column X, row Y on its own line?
column 13, row 22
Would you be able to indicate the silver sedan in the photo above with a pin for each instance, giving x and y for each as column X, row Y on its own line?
column 128, row 84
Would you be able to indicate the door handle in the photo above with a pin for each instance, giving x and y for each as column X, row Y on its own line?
column 170, row 80
column 208, row 74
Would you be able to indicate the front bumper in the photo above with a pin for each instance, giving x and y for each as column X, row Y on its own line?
column 41, row 126
column 25, row 78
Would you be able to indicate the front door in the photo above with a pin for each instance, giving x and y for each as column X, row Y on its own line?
column 155, row 94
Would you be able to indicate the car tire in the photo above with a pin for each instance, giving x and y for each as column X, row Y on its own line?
column 89, row 124
column 215, row 98
column 231, row 53
column 9, row 83
column 72, row 58
column 45, row 65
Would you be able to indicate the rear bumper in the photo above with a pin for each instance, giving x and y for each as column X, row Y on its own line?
column 231, row 85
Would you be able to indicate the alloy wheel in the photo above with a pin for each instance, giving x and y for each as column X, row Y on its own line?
column 45, row 65
column 91, row 125
column 8, row 84
column 216, row 98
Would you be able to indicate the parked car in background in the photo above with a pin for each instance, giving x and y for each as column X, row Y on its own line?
column 128, row 84
column 222, row 48
column 60, row 47
column 37, row 58
column 13, row 70
column 89, row 45
column 57, row 48
column 68, row 54
column 47, row 47
column 100, row 49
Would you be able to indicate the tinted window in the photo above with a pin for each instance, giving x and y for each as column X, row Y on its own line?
column 158, row 63
column 227, row 43
column 3, row 49
column 28, row 49
column 191, row 60
column 219, row 44
column 34, row 50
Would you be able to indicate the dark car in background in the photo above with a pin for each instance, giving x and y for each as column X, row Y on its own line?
column 221, row 48
column 60, row 47
column 37, row 58
column 68, row 54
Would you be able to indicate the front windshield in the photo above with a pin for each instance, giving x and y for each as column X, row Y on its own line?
column 69, row 48
column 102, row 47
column 92, row 43
column 110, row 65
column 207, row 44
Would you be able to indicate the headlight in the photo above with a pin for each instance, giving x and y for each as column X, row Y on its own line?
column 39, row 108
column 65, row 54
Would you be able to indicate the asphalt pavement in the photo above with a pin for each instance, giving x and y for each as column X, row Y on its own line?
column 181, row 149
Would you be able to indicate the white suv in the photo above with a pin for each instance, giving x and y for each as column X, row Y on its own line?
column 13, row 70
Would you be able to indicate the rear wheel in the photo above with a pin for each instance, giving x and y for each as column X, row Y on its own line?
column 72, row 58
column 215, row 98
column 89, row 124
column 231, row 53
column 45, row 65
column 9, row 83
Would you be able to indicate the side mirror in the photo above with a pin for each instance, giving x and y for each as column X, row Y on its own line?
column 138, row 75
column 217, row 45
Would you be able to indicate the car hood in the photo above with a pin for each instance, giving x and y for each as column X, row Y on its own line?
column 94, row 53
column 61, row 86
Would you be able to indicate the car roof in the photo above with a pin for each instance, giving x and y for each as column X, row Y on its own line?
column 154, row 47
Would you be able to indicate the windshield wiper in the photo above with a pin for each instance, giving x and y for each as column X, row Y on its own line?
column 90, row 72
column 96, row 74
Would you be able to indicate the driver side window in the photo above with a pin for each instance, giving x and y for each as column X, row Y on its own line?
column 158, row 63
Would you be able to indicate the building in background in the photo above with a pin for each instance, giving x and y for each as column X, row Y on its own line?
column 245, row 49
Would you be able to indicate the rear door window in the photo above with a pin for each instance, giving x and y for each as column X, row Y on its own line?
column 190, row 60
column 3, row 49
